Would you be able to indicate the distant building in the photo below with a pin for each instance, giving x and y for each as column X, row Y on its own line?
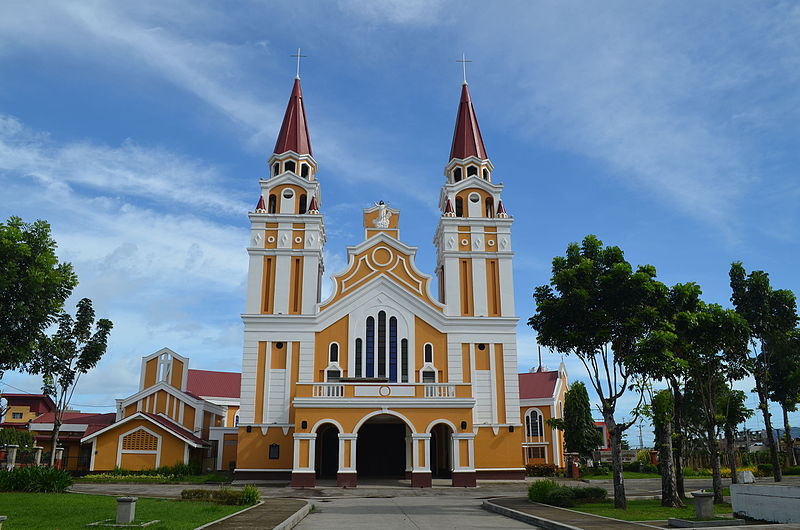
column 22, row 408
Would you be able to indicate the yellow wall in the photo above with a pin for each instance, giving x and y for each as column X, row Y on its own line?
column 27, row 414
column 229, row 448
column 503, row 450
column 253, row 449
column 172, row 448
column 424, row 333
column 336, row 332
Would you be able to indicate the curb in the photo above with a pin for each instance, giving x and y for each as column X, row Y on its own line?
column 534, row 520
column 294, row 519
column 259, row 503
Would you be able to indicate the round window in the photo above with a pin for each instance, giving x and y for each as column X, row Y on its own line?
column 288, row 193
column 474, row 197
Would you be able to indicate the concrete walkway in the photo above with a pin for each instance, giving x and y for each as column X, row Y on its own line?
column 267, row 515
column 403, row 513
column 543, row 515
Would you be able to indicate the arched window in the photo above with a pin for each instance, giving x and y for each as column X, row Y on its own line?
column 303, row 204
column 289, row 165
column 472, row 171
column 457, row 174
column 429, row 353
column 382, row 351
column 304, row 170
column 276, row 167
column 459, row 207
column 534, row 425
column 272, row 202
column 333, row 372
column 485, row 174
column 489, row 207
column 474, row 206
column 333, row 353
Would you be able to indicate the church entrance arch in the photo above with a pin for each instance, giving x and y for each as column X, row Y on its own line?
column 381, row 447
column 326, row 462
column 441, row 454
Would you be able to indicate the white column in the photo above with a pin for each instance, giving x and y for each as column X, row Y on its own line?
column 311, row 437
column 342, row 438
column 255, row 275
column 506, row 286
column 479, row 291
column 310, row 279
column 415, row 437
column 283, row 266
column 452, row 289
column 470, row 437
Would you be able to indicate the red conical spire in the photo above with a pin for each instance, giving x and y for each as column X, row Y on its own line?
column 467, row 140
column 501, row 210
column 313, row 208
column 261, row 206
column 448, row 209
column 294, row 130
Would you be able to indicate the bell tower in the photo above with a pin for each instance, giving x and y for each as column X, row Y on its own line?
column 287, row 231
column 473, row 240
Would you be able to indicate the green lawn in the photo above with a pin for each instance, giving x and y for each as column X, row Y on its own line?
column 646, row 510
column 625, row 474
column 62, row 511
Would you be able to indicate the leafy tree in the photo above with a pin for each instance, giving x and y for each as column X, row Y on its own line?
column 71, row 351
column 784, row 378
column 580, row 433
column 598, row 309
column 33, row 288
column 663, row 412
column 771, row 315
column 733, row 402
column 719, row 339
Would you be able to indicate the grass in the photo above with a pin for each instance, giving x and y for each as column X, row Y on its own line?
column 211, row 478
column 647, row 510
column 63, row 511
column 625, row 474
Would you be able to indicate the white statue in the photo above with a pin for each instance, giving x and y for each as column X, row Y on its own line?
column 382, row 221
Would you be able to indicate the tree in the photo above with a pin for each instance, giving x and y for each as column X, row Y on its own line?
column 580, row 433
column 719, row 339
column 71, row 351
column 771, row 315
column 33, row 288
column 784, row 379
column 663, row 412
column 598, row 309
column 733, row 402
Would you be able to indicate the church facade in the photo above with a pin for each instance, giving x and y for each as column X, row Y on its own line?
column 396, row 374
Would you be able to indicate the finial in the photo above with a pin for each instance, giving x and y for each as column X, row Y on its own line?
column 298, row 55
column 464, row 62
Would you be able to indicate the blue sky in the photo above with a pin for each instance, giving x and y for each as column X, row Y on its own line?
column 139, row 130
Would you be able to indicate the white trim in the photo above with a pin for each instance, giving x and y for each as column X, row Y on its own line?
column 185, row 453
column 324, row 421
column 432, row 424
column 372, row 414
column 368, row 403
column 91, row 458
column 121, row 451
column 139, row 416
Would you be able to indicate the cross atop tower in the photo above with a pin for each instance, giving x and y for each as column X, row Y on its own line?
column 299, row 56
column 463, row 62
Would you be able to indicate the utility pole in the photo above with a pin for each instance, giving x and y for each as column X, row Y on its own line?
column 641, row 442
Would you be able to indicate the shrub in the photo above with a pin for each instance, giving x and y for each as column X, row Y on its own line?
column 538, row 490
column 589, row 494
column 643, row 456
column 560, row 496
column 649, row 468
column 35, row 479
column 792, row 470
column 16, row 437
column 764, row 469
column 250, row 495
column 632, row 466
column 196, row 494
column 541, row 470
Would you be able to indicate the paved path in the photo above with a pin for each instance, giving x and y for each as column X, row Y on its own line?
column 268, row 515
column 404, row 513
column 569, row 517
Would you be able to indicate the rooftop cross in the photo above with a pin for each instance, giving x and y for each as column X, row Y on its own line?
column 464, row 62
column 298, row 55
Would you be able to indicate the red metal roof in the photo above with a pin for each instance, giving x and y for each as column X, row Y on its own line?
column 79, row 417
column 537, row 385
column 294, row 130
column 174, row 427
column 467, row 139
column 39, row 403
column 214, row 384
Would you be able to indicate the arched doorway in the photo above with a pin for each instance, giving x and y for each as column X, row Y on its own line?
column 381, row 447
column 441, row 455
column 327, row 451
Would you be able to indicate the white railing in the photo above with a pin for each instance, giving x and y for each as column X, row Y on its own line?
column 331, row 390
column 440, row 390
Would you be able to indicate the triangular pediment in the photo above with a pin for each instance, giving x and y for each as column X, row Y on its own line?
column 382, row 256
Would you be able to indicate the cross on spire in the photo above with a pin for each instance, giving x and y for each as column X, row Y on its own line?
column 463, row 62
column 298, row 55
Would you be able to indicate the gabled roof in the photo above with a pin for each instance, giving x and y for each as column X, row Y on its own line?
column 467, row 139
column 538, row 385
column 88, row 418
column 209, row 383
column 294, row 130
column 161, row 421
column 39, row 403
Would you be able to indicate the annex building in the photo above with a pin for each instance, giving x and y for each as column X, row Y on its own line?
column 397, row 374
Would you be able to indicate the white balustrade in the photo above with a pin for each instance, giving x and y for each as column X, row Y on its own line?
column 328, row 390
column 440, row 390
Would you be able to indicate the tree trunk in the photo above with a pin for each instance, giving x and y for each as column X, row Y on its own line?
column 678, row 445
column 616, row 463
column 763, row 404
column 669, row 492
column 730, row 442
column 787, row 433
column 54, row 440
column 713, row 449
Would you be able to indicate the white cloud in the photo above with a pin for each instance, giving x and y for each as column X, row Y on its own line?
column 400, row 12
